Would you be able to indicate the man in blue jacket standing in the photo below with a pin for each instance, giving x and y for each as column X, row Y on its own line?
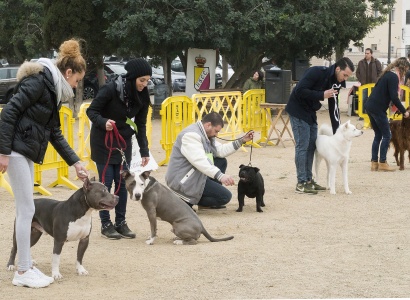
column 317, row 84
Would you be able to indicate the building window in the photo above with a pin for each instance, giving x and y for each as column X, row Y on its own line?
column 407, row 17
column 374, row 47
column 375, row 13
column 407, row 50
column 393, row 14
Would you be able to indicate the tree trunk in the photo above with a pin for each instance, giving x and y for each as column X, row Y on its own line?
column 166, row 65
column 75, row 103
column 339, row 51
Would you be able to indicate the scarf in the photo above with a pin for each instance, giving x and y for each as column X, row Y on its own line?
column 63, row 88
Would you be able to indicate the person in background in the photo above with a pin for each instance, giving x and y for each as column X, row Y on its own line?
column 368, row 71
column 385, row 91
column 28, row 122
column 254, row 82
column 196, row 169
column 317, row 84
column 116, row 103
column 369, row 68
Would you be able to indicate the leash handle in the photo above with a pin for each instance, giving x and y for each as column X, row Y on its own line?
column 109, row 140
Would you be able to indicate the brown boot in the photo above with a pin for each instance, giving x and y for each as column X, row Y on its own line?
column 384, row 166
column 375, row 166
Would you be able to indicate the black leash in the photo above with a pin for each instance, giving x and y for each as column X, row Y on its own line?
column 250, row 155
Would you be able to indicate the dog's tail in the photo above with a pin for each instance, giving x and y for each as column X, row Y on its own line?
column 325, row 129
column 210, row 238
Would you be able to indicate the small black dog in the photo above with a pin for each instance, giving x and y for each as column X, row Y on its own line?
column 250, row 184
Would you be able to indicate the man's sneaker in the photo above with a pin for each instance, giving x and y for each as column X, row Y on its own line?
column 124, row 231
column 30, row 279
column 42, row 275
column 304, row 188
column 317, row 187
column 108, row 231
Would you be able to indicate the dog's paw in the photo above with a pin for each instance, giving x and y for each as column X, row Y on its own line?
column 150, row 240
column 57, row 275
column 348, row 192
column 81, row 270
column 259, row 209
column 10, row 268
column 178, row 242
column 332, row 192
column 239, row 209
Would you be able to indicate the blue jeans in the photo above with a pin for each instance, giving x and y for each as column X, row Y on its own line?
column 305, row 137
column 112, row 174
column 215, row 194
column 382, row 135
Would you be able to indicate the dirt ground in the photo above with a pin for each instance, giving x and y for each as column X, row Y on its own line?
column 301, row 246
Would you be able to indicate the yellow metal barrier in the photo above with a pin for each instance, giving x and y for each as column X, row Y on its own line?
column 228, row 104
column 253, row 117
column 84, row 127
column 53, row 161
column 360, row 109
column 369, row 87
column 177, row 112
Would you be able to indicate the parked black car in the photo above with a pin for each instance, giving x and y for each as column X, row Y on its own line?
column 8, row 81
column 91, row 87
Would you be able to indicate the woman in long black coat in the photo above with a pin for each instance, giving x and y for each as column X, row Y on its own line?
column 117, row 102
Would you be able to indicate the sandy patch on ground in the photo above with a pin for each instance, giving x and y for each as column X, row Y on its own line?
column 301, row 246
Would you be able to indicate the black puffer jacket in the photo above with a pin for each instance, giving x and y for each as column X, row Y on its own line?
column 109, row 104
column 31, row 119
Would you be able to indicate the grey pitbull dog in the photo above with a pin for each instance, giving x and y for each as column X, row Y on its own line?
column 67, row 221
column 159, row 201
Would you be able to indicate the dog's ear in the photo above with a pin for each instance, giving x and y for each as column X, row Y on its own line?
column 241, row 166
column 346, row 125
column 256, row 169
column 125, row 174
column 92, row 178
column 86, row 185
column 145, row 174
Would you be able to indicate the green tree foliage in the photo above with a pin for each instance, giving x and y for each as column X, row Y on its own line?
column 21, row 33
column 244, row 31
column 82, row 20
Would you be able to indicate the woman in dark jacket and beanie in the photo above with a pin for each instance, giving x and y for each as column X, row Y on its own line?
column 27, row 123
column 385, row 91
column 116, row 102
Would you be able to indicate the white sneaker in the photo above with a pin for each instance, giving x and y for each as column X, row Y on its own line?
column 42, row 275
column 30, row 279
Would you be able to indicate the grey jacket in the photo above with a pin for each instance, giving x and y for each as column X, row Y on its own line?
column 189, row 165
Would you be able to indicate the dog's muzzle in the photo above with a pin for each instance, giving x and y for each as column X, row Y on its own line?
column 136, row 197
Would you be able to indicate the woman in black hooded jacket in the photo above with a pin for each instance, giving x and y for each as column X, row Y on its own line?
column 117, row 102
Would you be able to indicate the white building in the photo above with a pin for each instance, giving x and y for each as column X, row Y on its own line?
column 378, row 38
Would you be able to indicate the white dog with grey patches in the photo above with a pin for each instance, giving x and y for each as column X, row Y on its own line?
column 335, row 150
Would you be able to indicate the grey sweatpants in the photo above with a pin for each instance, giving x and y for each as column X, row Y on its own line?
column 21, row 174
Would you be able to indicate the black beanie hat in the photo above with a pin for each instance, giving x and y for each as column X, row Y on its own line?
column 137, row 68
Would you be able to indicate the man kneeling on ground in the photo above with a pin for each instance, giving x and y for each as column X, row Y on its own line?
column 197, row 165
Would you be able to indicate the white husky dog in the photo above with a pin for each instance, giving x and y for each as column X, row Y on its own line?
column 335, row 149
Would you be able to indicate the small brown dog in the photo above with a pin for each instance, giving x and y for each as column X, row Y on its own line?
column 400, row 131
